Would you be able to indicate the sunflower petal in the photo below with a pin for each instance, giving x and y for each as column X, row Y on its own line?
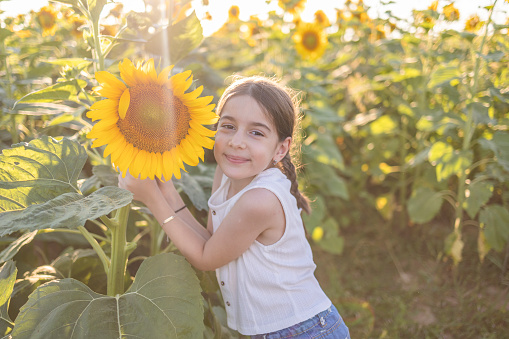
column 123, row 105
column 163, row 76
column 201, row 129
column 127, row 74
column 168, row 165
column 138, row 164
column 108, row 79
column 188, row 153
column 105, row 104
column 194, row 94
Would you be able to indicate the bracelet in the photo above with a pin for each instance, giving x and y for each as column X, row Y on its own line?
column 170, row 218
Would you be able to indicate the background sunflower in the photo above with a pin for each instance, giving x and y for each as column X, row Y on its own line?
column 310, row 41
column 150, row 125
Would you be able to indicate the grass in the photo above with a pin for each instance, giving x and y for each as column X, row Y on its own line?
column 398, row 284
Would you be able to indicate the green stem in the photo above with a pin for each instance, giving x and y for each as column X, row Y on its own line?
column 118, row 265
column 97, row 44
column 95, row 245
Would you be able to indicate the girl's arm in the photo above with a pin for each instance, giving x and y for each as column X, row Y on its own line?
column 256, row 211
column 175, row 201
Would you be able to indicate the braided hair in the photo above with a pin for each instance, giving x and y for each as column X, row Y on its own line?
column 281, row 105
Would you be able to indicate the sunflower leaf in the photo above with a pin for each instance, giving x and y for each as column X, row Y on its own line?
column 10, row 251
column 7, row 278
column 164, row 301
column 67, row 90
column 68, row 210
column 35, row 172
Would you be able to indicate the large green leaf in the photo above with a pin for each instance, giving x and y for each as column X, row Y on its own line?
column 68, row 210
column 499, row 144
column 449, row 161
column 424, row 204
column 324, row 150
column 495, row 222
column 7, row 280
column 192, row 188
column 443, row 75
column 180, row 38
column 41, row 170
column 164, row 301
column 327, row 180
column 479, row 193
column 67, row 90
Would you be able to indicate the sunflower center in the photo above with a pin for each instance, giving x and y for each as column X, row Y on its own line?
column 310, row 41
column 156, row 121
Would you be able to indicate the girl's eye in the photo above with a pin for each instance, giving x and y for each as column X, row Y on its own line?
column 258, row 133
column 227, row 126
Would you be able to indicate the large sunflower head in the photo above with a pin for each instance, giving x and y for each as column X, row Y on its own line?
column 310, row 41
column 150, row 125
column 47, row 18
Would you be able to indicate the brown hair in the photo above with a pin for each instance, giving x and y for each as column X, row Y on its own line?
column 281, row 105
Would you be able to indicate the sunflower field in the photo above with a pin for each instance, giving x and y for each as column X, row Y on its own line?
column 405, row 157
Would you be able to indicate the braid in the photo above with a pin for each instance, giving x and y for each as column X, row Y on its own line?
column 289, row 170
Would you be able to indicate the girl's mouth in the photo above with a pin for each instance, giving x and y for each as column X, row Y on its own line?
column 236, row 159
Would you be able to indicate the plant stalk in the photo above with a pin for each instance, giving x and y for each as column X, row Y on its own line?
column 118, row 265
column 95, row 245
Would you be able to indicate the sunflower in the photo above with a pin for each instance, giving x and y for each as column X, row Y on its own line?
column 451, row 13
column 77, row 22
column 473, row 24
column 233, row 13
column 433, row 6
column 47, row 18
column 321, row 18
column 310, row 41
column 150, row 126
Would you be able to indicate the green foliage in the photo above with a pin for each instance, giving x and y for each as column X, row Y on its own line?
column 163, row 302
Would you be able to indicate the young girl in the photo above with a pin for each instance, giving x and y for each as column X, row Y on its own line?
column 255, row 239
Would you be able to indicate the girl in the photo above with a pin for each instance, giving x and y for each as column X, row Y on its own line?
column 255, row 239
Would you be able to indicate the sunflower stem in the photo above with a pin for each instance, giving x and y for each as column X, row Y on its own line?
column 119, row 252
column 95, row 245
column 97, row 44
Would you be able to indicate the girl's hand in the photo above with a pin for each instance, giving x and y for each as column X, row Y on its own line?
column 144, row 190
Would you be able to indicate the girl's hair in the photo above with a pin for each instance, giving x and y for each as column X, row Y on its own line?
column 281, row 105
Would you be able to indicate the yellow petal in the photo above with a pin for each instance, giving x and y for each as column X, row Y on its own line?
column 138, row 163
column 194, row 94
column 178, row 83
column 126, row 157
column 105, row 104
column 112, row 146
column 163, row 76
column 200, row 102
column 125, row 99
column 159, row 166
column 106, row 78
column 168, row 165
column 188, row 153
column 201, row 129
column 127, row 74
column 150, row 70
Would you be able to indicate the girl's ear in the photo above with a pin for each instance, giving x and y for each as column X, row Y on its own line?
column 283, row 148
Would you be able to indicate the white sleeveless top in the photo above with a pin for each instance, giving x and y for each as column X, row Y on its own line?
column 269, row 288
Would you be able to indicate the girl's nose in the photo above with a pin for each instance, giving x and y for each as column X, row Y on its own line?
column 237, row 140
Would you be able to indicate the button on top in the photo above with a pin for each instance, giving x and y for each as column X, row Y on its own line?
column 222, row 283
column 227, row 303
column 213, row 212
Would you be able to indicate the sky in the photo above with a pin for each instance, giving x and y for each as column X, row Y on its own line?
column 219, row 9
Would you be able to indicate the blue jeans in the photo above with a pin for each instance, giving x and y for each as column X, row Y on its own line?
column 325, row 325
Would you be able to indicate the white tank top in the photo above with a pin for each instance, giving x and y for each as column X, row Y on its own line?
column 269, row 287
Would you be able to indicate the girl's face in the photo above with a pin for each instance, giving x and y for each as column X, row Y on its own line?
column 246, row 141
